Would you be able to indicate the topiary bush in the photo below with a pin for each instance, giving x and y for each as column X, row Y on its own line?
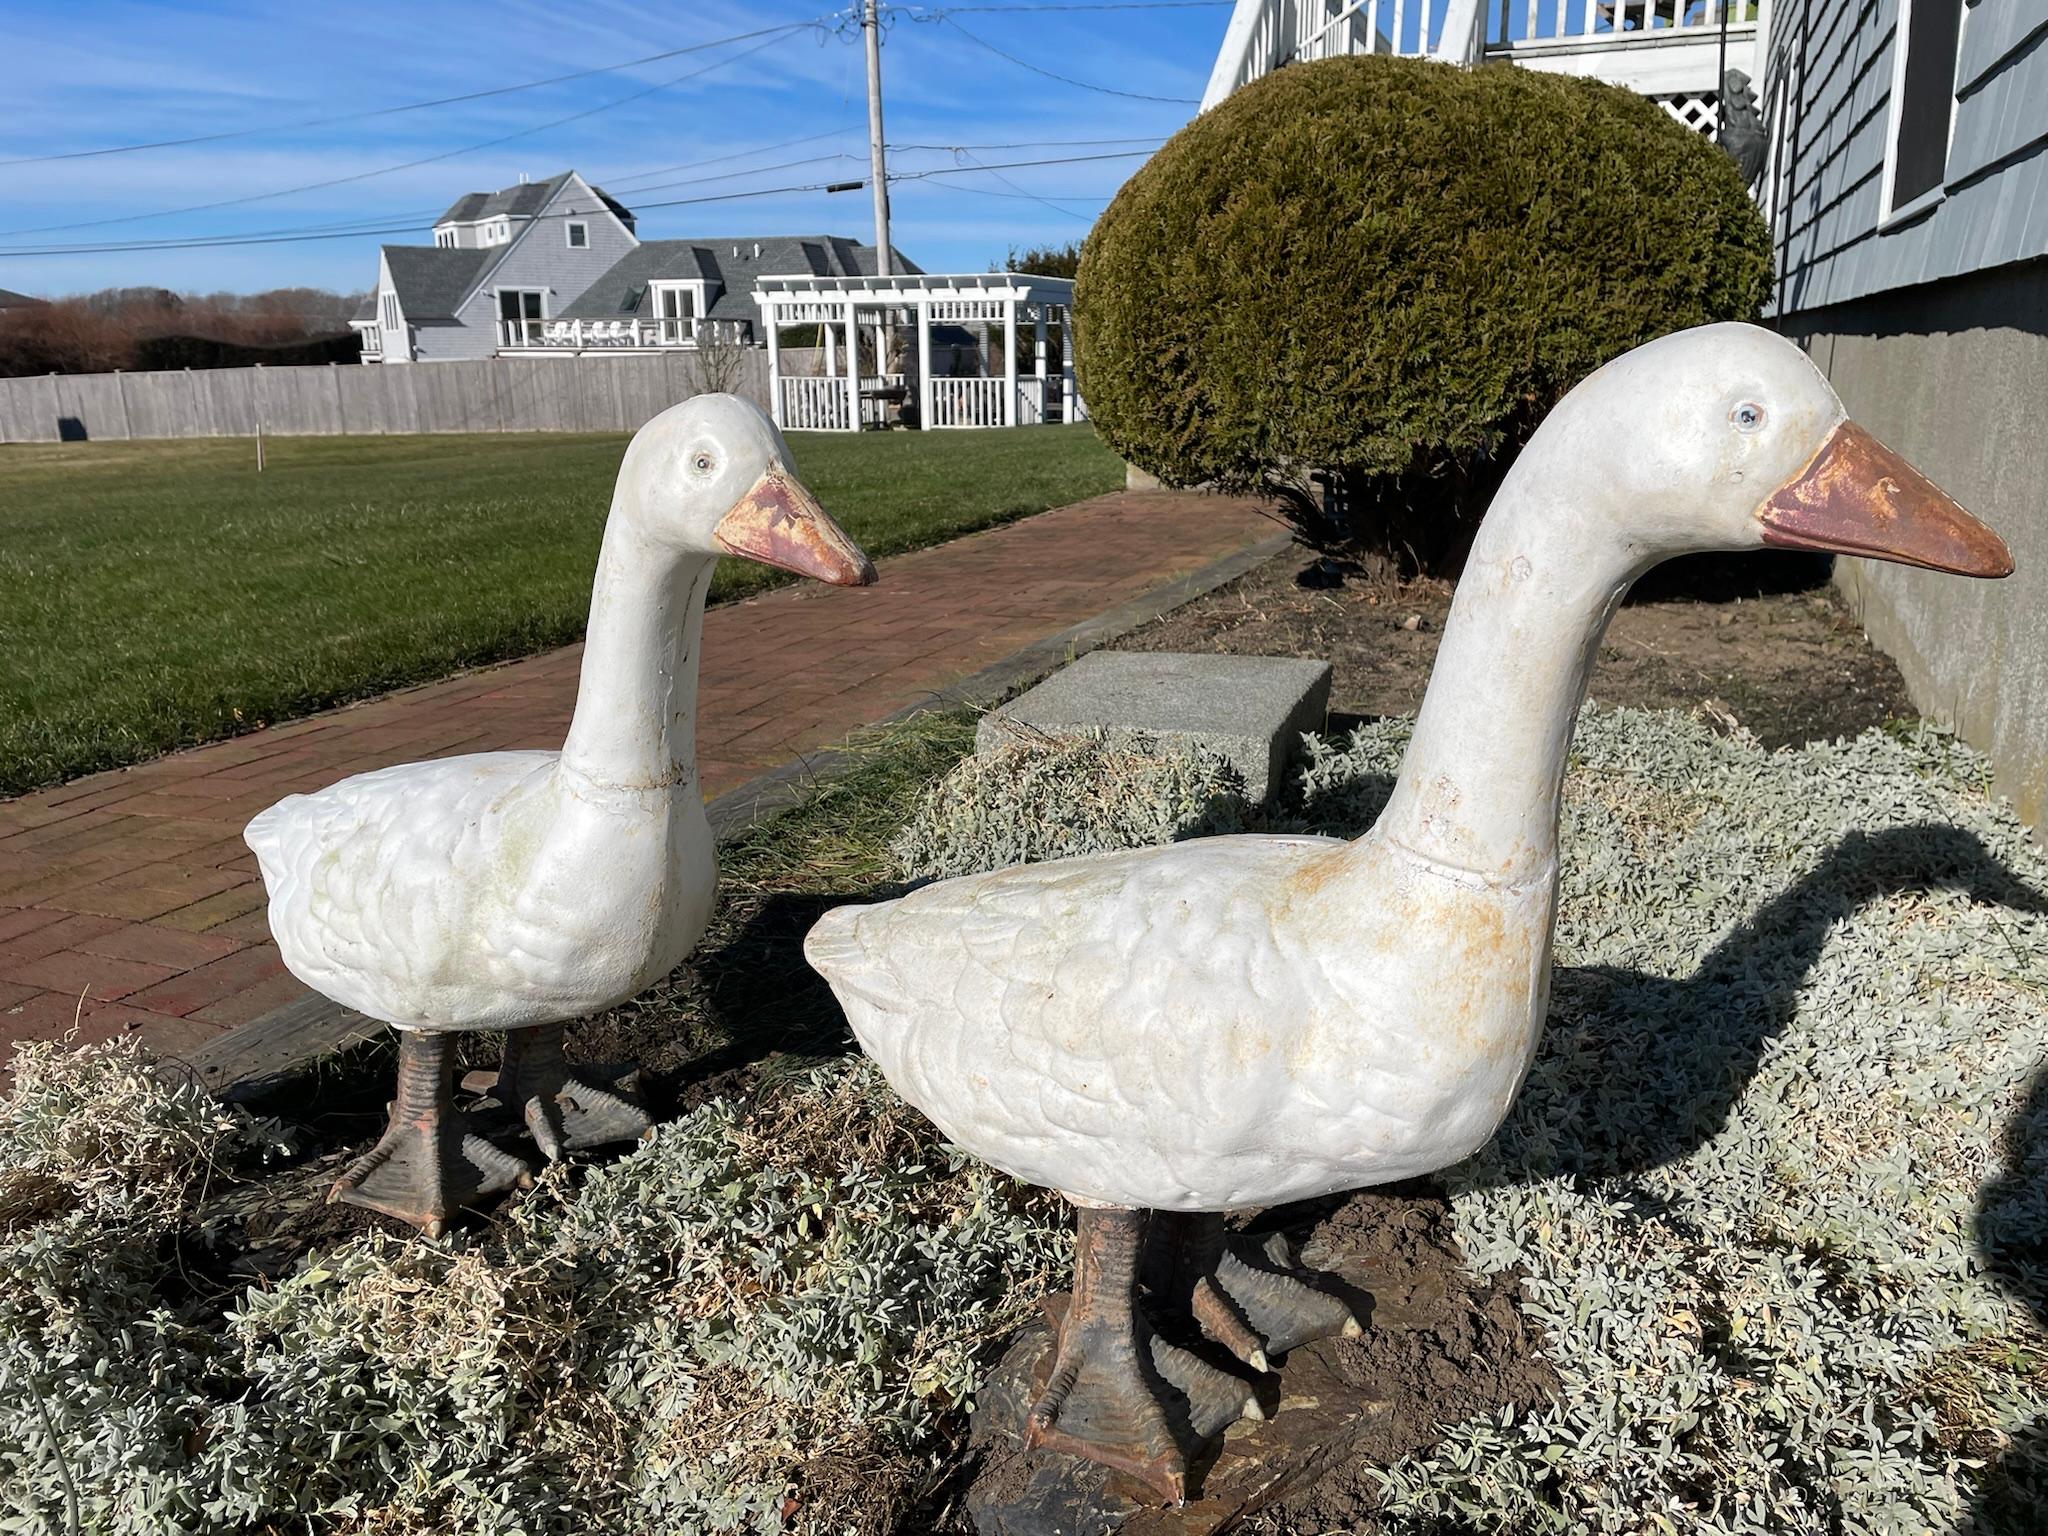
column 1386, row 270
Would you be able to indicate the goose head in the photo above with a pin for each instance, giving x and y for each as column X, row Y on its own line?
column 711, row 477
column 1727, row 437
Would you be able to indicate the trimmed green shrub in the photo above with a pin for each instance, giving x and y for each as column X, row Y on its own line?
column 1386, row 270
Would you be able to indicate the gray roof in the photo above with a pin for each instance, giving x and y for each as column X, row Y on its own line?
column 730, row 261
column 527, row 198
column 9, row 299
column 433, row 280
column 366, row 308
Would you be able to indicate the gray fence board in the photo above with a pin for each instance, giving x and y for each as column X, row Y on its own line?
column 504, row 394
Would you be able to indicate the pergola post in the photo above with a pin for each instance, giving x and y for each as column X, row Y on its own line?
column 1010, row 361
column 924, row 364
column 853, row 365
column 1038, row 349
column 771, row 313
column 1066, row 364
column 831, row 350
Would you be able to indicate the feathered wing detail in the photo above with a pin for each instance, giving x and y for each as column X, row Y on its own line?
column 1064, row 1020
column 371, row 874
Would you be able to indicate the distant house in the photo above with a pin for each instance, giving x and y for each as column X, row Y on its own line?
column 9, row 299
column 556, row 265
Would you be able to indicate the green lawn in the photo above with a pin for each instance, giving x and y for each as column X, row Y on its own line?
column 153, row 595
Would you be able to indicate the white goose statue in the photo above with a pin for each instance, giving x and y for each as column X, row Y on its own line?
column 517, row 890
column 1169, row 1033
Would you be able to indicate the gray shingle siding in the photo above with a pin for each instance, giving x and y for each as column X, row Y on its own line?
column 1835, row 60
column 542, row 258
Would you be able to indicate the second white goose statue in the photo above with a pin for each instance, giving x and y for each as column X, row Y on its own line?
column 517, row 890
column 1173, row 1032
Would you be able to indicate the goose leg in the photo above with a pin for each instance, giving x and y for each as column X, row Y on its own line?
column 563, row 1111
column 1116, row 1393
column 427, row 1165
column 1243, row 1297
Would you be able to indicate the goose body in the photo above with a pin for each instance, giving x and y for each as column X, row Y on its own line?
column 458, row 894
column 515, row 891
column 1168, row 1033
column 1186, row 1029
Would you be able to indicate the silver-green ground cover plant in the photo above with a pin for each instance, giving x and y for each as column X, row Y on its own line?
column 1774, row 1188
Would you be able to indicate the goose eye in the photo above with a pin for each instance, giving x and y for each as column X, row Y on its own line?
column 1748, row 416
column 702, row 463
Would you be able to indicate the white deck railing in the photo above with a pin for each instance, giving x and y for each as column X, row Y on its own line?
column 616, row 335
column 967, row 402
column 815, row 405
column 1610, row 39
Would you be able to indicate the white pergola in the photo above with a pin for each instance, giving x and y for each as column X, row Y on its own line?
column 844, row 398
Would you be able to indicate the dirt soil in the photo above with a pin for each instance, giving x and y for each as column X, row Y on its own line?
column 1439, row 1346
column 1757, row 639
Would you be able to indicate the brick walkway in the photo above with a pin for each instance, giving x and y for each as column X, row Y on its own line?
column 133, row 890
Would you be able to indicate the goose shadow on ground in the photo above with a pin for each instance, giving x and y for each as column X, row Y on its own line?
column 2011, row 1240
column 1713, row 1027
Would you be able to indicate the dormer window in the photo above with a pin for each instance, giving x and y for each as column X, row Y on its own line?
column 579, row 235
column 444, row 238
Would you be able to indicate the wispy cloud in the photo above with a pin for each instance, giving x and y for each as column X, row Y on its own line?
column 99, row 72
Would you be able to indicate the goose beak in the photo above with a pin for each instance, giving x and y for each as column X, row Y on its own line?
column 1857, row 497
column 779, row 523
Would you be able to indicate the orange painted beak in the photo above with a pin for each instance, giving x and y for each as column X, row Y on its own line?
column 779, row 523
column 1857, row 497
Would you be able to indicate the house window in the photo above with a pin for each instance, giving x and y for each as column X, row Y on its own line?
column 520, row 312
column 676, row 307
column 579, row 236
column 1923, row 99
column 387, row 309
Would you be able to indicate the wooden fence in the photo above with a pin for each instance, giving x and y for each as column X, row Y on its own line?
column 500, row 394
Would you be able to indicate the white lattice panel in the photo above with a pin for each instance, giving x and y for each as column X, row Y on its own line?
column 1699, row 111
column 967, row 309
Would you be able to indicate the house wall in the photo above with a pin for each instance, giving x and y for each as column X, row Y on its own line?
column 508, row 394
column 541, row 258
column 1935, row 333
column 1955, row 376
column 1834, row 61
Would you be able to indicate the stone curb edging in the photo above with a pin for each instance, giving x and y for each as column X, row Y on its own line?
column 242, row 1063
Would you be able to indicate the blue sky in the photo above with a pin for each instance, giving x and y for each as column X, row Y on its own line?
column 92, row 73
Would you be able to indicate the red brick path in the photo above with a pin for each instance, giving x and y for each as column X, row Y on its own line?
column 133, row 891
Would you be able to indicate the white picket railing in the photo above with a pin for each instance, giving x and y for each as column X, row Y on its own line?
column 1031, row 402
column 1263, row 35
column 967, row 402
column 815, row 405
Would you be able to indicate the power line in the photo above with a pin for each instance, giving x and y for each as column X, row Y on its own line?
column 448, row 154
column 410, row 106
column 933, row 11
column 619, row 181
column 755, row 170
column 1150, row 138
column 1086, row 85
column 208, row 242
column 1019, row 191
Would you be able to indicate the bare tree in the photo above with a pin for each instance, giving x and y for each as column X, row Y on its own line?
column 721, row 362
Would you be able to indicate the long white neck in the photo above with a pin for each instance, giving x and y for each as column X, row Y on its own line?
column 635, row 725
column 1480, row 786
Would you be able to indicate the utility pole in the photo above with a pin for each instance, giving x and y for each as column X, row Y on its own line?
column 878, row 172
